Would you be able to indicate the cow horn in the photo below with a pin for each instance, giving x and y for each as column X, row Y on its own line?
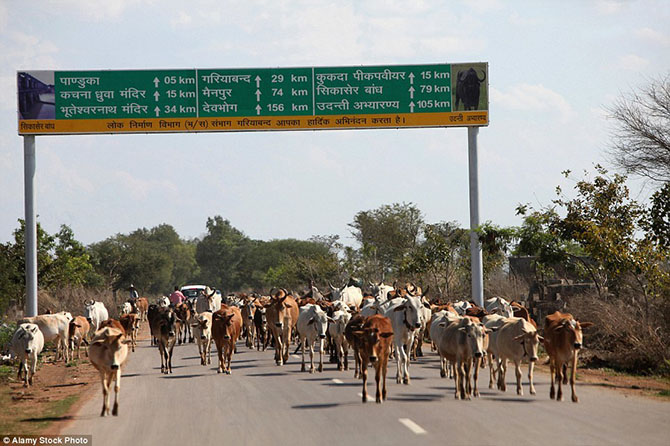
column 484, row 78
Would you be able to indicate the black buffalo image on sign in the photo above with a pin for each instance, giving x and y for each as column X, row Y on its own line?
column 468, row 85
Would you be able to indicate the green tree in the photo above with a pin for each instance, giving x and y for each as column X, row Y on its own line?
column 441, row 257
column 387, row 234
column 220, row 253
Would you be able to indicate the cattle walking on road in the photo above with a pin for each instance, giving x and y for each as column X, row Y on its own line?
column 108, row 354
column 26, row 344
column 562, row 340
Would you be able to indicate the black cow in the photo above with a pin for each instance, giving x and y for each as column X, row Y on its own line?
column 164, row 325
column 467, row 89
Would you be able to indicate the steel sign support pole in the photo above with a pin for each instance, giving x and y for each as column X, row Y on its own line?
column 30, row 235
column 476, row 267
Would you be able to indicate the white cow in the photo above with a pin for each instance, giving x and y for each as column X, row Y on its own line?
column 405, row 319
column 95, row 313
column 498, row 305
column 312, row 325
column 336, row 327
column 125, row 308
column 54, row 327
column 163, row 302
column 208, row 300
column 352, row 296
column 380, row 291
column 493, row 322
column 27, row 343
column 461, row 307
column 202, row 332
column 517, row 339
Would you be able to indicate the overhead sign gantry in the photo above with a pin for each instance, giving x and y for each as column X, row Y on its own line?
column 250, row 99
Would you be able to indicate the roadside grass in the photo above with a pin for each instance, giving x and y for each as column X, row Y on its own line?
column 33, row 418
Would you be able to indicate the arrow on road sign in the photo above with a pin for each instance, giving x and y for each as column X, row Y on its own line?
column 156, row 82
column 411, row 92
column 156, row 96
column 258, row 81
column 258, row 95
column 411, row 78
column 258, row 109
column 157, row 110
column 411, row 107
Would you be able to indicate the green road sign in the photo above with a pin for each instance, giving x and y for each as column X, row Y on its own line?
column 106, row 101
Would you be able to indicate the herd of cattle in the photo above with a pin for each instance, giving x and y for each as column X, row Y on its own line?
column 384, row 322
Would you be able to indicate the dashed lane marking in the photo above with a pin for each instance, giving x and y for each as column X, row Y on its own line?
column 411, row 425
column 337, row 381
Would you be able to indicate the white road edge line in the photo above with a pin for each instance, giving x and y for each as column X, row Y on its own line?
column 411, row 425
column 337, row 381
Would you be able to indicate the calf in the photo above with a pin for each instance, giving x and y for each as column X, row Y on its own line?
column 108, row 354
column 312, row 325
column 517, row 339
column 338, row 323
column 202, row 331
column 26, row 344
column 79, row 328
column 226, row 328
column 54, row 327
column 374, row 345
column 562, row 341
column 163, row 323
column 130, row 323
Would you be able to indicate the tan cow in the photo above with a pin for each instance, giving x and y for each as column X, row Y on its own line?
column 248, row 312
column 202, row 331
column 516, row 339
column 226, row 329
column 562, row 341
column 282, row 316
column 462, row 342
column 79, row 328
column 108, row 354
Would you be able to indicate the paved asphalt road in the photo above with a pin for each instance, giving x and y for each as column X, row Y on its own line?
column 261, row 403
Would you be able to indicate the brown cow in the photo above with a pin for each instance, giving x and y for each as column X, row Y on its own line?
column 355, row 324
column 282, row 316
column 226, row 329
column 112, row 323
column 79, row 328
column 522, row 312
column 141, row 306
column 108, row 353
column 562, row 341
column 374, row 344
column 130, row 323
column 184, row 313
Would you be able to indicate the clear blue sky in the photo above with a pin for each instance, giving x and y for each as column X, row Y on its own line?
column 553, row 68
